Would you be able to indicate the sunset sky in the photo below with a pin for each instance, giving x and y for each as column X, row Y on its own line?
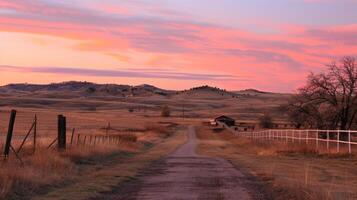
column 234, row 44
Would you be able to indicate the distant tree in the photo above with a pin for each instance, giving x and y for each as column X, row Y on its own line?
column 91, row 90
column 329, row 99
column 266, row 121
column 165, row 111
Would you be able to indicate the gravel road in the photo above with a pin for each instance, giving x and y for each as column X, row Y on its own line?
column 185, row 175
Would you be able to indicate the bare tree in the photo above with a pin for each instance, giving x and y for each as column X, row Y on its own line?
column 329, row 100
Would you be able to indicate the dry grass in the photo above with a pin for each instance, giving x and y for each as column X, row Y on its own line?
column 161, row 130
column 48, row 167
column 104, row 179
column 47, row 170
column 289, row 171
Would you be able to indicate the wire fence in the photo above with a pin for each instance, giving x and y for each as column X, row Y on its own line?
column 340, row 141
column 41, row 129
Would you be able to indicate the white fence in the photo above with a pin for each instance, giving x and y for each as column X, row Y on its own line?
column 338, row 140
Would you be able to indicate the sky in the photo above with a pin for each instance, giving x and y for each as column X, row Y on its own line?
column 269, row 45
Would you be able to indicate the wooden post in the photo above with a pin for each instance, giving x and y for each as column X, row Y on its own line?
column 317, row 140
column 9, row 133
column 72, row 135
column 61, row 132
column 338, row 141
column 27, row 135
column 328, row 140
column 84, row 141
column 307, row 136
column 349, row 142
column 35, row 134
column 108, row 128
column 78, row 137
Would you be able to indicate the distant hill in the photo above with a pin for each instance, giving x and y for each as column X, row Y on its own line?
column 208, row 91
column 84, row 89
column 251, row 92
column 73, row 89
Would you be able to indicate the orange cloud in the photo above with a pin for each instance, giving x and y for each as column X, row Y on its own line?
column 270, row 59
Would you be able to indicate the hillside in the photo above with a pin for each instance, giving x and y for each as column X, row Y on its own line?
column 208, row 92
column 87, row 89
column 203, row 101
column 82, row 89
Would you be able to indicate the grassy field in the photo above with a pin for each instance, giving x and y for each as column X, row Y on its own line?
column 289, row 172
column 83, row 169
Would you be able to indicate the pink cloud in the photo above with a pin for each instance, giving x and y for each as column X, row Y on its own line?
column 285, row 56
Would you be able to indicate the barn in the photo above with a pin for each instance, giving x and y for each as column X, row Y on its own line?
column 226, row 120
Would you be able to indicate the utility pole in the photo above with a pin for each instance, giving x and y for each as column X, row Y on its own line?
column 183, row 111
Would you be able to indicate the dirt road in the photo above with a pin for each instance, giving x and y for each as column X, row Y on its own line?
column 186, row 175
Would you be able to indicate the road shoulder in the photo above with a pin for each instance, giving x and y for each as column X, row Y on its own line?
column 104, row 180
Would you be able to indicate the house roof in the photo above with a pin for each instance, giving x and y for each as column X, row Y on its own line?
column 224, row 117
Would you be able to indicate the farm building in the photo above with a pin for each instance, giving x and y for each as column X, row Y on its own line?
column 242, row 127
column 226, row 120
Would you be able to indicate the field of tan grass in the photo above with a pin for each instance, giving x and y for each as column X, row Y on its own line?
column 47, row 171
column 288, row 171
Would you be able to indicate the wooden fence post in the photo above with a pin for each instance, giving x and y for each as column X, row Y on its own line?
column 35, row 134
column 27, row 135
column 78, row 139
column 328, row 140
column 61, row 132
column 317, row 140
column 349, row 142
column 338, row 141
column 107, row 129
column 307, row 136
column 84, row 141
column 9, row 133
column 72, row 135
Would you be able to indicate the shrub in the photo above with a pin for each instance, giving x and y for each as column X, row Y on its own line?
column 165, row 111
column 266, row 121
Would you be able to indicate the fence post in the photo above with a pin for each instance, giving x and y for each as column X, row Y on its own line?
column 107, row 129
column 61, row 132
column 35, row 134
column 72, row 135
column 84, row 141
column 317, row 140
column 328, row 140
column 269, row 134
column 78, row 139
column 27, row 135
column 9, row 133
column 307, row 136
column 349, row 142
column 338, row 141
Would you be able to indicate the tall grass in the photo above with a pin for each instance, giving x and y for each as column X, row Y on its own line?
column 288, row 170
column 48, row 168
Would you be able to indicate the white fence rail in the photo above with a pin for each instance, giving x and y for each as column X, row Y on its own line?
column 338, row 140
